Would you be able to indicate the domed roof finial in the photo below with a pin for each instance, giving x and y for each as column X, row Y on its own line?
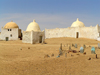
column 11, row 20
column 77, row 23
column 34, row 20
column 77, row 19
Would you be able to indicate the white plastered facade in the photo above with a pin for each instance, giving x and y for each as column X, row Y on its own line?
column 33, row 34
column 77, row 30
column 10, row 31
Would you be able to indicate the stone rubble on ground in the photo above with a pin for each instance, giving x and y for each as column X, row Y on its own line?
column 84, row 53
column 52, row 55
column 46, row 56
column 28, row 47
column 89, row 58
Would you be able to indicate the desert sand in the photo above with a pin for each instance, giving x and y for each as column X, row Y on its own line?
column 17, row 58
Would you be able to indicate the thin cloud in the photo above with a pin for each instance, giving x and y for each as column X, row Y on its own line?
column 47, row 20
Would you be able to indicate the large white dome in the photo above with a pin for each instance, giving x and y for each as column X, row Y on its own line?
column 33, row 26
column 77, row 23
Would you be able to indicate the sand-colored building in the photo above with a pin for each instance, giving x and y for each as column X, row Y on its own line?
column 10, row 31
column 33, row 34
column 77, row 30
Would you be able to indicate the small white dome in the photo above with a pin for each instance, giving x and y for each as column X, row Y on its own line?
column 33, row 26
column 77, row 23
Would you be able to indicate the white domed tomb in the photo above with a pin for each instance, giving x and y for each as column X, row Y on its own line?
column 33, row 34
column 33, row 26
column 10, row 31
column 77, row 30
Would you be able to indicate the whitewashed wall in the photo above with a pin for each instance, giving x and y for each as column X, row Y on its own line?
column 84, row 32
column 5, row 33
column 32, row 37
column 36, row 36
column 27, row 37
column 59, row 32
column 87, row 32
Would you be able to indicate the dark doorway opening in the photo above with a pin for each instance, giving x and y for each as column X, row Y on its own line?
column 77, row 34
column 7, row 38
column 40, row 39
column 21, row 36
column 99, row 34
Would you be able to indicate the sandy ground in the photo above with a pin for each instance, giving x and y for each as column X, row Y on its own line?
column 17, row 59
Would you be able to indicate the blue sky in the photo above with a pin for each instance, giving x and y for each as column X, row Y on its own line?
column 49, row 13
